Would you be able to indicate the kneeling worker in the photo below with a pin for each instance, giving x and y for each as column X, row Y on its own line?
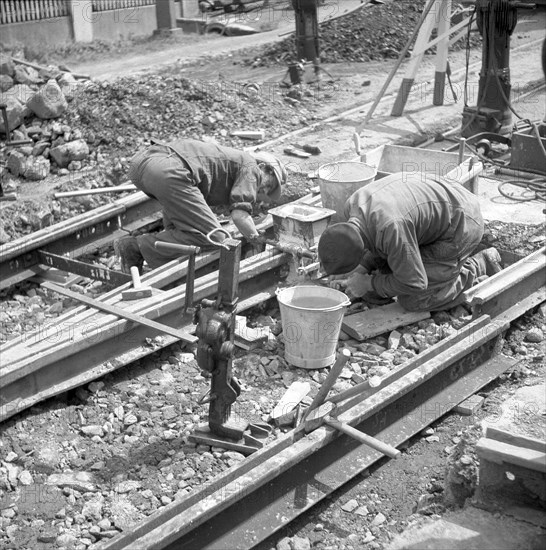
column 409, row 236
column 187, row 177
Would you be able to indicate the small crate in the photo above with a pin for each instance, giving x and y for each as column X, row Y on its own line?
column 300, row 224
column 389, row 159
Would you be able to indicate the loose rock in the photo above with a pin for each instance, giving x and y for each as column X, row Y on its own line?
column 49, row 102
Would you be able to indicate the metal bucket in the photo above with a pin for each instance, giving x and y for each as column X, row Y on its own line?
column 311, row 318
column 339, row 180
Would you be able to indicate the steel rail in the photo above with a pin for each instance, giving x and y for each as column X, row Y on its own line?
column 76, row 349
column 28, row 256
column 21, row 260
column 84, row 344
column 247, row 504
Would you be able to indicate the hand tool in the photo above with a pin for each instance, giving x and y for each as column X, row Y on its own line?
column 216, row 243
column 313, row 149
column 138, row 291
column 295, row 152
column 215, row 320
column 123, row 313
column 95, row 191
column 323, row 415
column 327, row 385
column 183, row 249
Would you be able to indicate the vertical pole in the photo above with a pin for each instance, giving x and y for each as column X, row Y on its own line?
column 444, row 24
column 423, row 39
column 307, row 41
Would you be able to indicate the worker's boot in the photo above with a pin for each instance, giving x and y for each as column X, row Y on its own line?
column 490, row 261
column 128, row 251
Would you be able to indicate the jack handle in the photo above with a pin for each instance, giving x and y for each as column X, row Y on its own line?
column 190, row 275
column 216, row 243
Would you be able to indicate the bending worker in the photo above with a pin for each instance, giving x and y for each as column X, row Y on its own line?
column 187, row 177
column 410, row 236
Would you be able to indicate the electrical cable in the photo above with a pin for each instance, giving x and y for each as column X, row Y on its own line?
column 536, row 186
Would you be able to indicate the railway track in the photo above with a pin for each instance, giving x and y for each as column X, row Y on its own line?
column 247, row 504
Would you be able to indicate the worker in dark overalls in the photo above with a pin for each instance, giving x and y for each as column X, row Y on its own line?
column 411, row 236
column 188, row 177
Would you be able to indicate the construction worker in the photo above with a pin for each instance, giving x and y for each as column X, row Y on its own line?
column 187, row 177
column 411, row 236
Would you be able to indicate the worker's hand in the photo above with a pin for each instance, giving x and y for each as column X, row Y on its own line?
column 257, row 238
column 338, row 282
column 358, row 284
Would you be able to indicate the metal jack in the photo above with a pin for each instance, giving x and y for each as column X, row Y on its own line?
column 215, row 321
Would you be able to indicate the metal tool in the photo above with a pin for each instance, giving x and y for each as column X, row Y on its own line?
column 138, row 291
column 7, row 131
column 216, row 243
column 323, row 415
column 327, row 385
column 191, row 252
column 215, row 321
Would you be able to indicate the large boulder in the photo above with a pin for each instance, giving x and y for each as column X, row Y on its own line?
column 6, row 65
column 6, row 82
column 64, row 154
column 15, row 112
column 26, row 75
column 49, row 102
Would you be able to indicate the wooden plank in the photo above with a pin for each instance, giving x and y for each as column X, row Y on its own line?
column 124, row 314
column 373, row 322
column 515, row 439
column 504, row 453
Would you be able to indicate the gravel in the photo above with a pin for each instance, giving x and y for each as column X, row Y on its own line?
column 371, row 33
column 113, row 452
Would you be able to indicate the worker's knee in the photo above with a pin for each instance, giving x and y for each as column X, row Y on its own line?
column 415, row 302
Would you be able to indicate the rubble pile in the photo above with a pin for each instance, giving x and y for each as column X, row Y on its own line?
column 124, row 114
column 372, row 33
column 73, row 124
column 35, row 101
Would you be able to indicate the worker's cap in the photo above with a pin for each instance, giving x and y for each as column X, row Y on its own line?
column 276, row 166
column 340, row 248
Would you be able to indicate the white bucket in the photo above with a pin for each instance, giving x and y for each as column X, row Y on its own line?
column 339, row 180
column 311, row 318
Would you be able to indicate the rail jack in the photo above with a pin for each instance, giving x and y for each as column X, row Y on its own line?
column 215, row 320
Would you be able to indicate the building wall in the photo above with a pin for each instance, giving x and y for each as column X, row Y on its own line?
column 101, row 25
column 116, row 24
column 36, row 33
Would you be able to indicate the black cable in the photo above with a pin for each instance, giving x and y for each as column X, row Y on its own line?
column 537, row 186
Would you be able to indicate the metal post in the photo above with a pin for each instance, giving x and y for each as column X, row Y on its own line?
column 307, row 39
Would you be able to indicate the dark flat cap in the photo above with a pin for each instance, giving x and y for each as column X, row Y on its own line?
column 340, row 248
